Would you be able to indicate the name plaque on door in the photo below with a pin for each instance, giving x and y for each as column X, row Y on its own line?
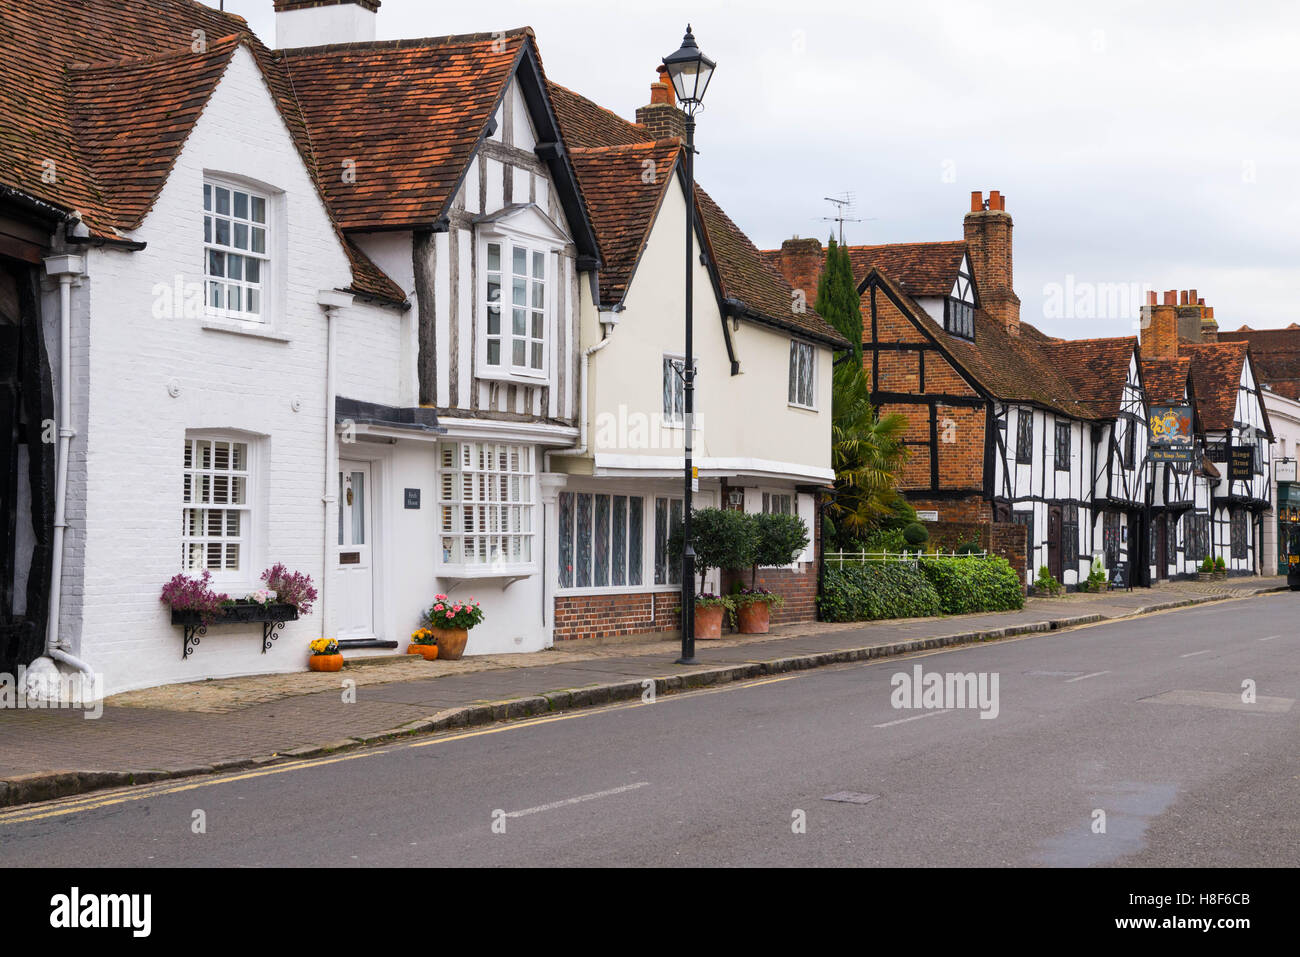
column 412, row 498
column 349, row 558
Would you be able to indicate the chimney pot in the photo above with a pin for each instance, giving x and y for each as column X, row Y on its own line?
column 1182, row 297
column 976, row 201
column 1191, row 297
column 1151, row 297
column 995, row 200
column 1171, row 297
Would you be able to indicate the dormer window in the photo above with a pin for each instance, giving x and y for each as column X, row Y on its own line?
column 959, row 307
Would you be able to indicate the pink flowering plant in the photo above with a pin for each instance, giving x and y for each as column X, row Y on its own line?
column 449, row 613
column 185, row 593
column 289, row 588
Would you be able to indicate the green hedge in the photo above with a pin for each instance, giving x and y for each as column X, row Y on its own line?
column 933, row 586
column 974, row 584
column 868, row 592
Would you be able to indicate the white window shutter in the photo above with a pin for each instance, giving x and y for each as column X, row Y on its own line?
column 804, row 504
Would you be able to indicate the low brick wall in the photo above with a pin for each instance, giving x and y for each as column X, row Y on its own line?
column 613, row 616
column 798, row 588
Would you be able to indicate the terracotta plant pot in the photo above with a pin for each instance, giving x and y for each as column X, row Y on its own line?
column 451, row 642
column 754, row 618
column 429, row 652
column 708, row 621
column 325, row 662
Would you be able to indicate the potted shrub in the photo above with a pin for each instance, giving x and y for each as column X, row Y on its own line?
column 450, row 622
column 1046, row 582
column 709, row 612
column 1096, row 580
column 325, row 655
column 1220, row 568
column 423, row 642
column 779, row 539
column 1207, row 570
column 752, row 610
column 721, row 538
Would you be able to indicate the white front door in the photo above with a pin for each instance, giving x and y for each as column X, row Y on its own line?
column 354, row 570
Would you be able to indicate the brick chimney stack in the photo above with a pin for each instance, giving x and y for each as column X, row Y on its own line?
column 660, row 116
column 1183, row 316
column 801, row 261
column 987, row 229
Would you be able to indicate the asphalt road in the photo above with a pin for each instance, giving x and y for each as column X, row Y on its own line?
column 1142, row 720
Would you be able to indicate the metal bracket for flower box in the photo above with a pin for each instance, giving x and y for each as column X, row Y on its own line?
column 272, row 618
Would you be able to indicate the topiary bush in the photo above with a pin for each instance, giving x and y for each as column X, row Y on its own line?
column 966, row 585
column 722, row 538
column 778, row 540
column 876, row 590
column 916, row 534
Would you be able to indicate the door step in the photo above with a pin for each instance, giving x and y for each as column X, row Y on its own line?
column 348, row 644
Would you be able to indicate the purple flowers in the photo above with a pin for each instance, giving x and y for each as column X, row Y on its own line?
column 194, row 594
column 291, row 588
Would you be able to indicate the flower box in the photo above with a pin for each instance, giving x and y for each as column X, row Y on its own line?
column 271, row 617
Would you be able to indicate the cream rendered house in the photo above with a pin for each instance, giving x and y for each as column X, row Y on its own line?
column 763, row 389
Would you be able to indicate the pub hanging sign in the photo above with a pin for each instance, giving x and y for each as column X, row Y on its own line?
column 1172, row 439
column 1241, row 463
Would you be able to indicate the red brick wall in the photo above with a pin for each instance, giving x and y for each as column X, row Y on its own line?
column 612, row 616
column 1011, row 541
column 972, row 509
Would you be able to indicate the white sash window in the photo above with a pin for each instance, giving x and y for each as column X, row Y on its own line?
column 235, row 252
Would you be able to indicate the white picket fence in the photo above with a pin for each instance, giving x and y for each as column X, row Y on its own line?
column 866, row 558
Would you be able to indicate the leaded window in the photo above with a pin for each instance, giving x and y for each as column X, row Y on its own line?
column 1239, row 534
column 802, row 375
column 959, row 318
column 668, row 519
column 1063, row 446
column 600, row 540
column 1024, row 436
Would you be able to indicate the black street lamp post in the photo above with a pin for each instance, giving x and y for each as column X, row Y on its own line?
column 690, row 72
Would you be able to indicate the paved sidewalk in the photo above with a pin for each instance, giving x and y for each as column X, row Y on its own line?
column 217, row 725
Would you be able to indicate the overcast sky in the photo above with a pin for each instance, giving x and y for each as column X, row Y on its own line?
column 1137, row 143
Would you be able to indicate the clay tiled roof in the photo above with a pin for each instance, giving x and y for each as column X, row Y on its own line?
column 99, row 96
column 746, row 278
column 1276, row 355
column 742, row 273
column 409, row 114
column 623, row 201
column 1165, row 380
column 1095, row 369
column 131, row 118
column 1216, row 375
column 586, row 124
column 920, row 269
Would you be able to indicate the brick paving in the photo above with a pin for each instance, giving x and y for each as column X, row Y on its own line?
column 196, row 725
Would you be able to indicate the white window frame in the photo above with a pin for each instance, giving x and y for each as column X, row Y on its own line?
column 506, row 368
column 759, row 500
column 247, row 540
column 792, row 385
column 265, row 258
column 451, row 500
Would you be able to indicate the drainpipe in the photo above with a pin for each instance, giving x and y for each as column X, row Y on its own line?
column 329, row 300
column 66, row 269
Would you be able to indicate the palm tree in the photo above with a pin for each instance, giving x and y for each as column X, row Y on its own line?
column 867, row 453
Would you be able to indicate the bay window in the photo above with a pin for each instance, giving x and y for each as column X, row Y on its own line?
column 517, row 303
column 485, row 504
column 235, row 251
